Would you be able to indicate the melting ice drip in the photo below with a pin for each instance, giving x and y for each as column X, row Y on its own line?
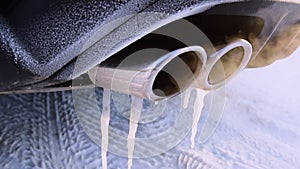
column 105, row 117
column 136, row 108
column 198, row 106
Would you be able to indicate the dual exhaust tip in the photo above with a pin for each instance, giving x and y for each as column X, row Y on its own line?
column 157, row 74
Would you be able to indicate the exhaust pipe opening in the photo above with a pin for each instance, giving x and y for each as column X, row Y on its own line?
column 225, row 64
column 166, row 85
column 229, row 63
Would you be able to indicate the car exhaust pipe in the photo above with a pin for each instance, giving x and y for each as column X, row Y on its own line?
column 225, row 64
column 159, row 75
column 155, row 74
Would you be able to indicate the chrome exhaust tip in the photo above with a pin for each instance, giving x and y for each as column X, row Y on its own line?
column 161, row 75
column 157, row 76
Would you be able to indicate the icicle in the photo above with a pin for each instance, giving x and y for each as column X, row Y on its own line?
column 186, row 98
column 105, row 117
column 198, row 106
column 136, row 108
